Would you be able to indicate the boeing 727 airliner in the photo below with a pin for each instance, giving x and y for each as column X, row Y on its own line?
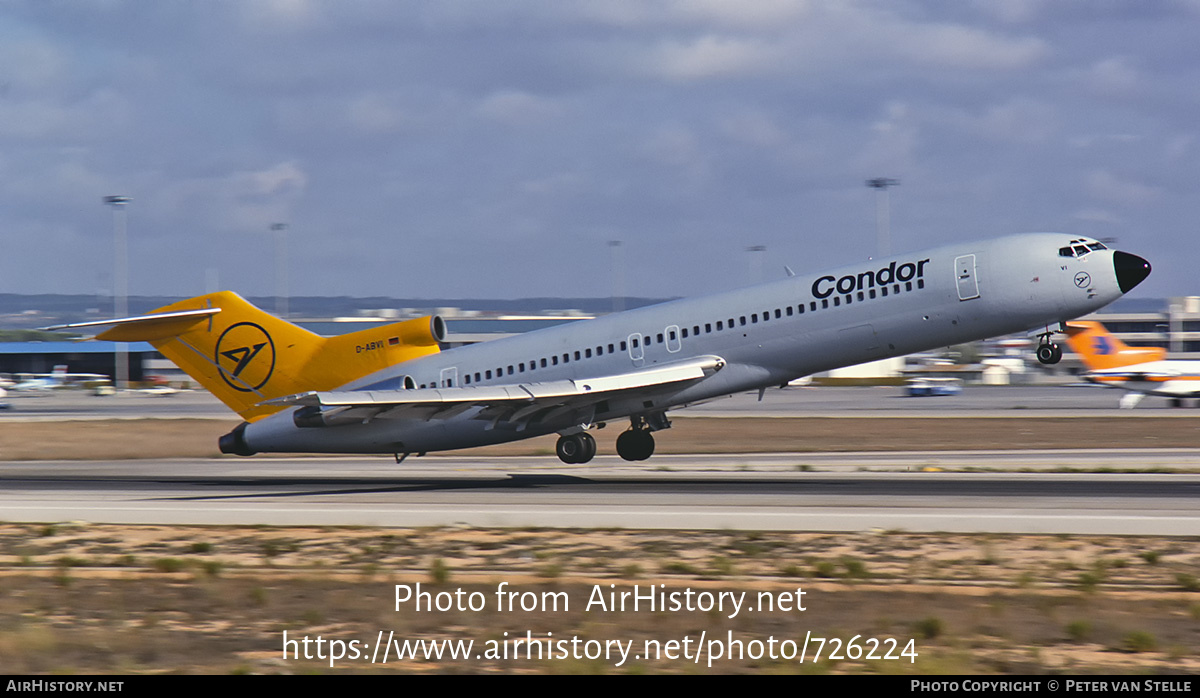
column 390, row 389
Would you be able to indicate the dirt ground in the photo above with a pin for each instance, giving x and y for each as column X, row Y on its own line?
column 84, row 598
column 197, row 438
column 149, row 599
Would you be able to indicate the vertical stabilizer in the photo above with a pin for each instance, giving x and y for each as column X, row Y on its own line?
column 244, row 355
column 1098, row 349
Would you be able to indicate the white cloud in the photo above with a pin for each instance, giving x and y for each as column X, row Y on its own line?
column 241, row 201
column 377, row 114
column 517, row 108
column 709, row 56
column 1107, row 186
column 1114, row 76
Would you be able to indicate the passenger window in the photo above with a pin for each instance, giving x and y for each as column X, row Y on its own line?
column 521, row 367
column 554, row 360
column 743, row 319
column 837, row 301
column 588, row 352
column 861, row 297
column 824, row 302
column 467, row 379
column 871, row 293
column 611, row 348
column 720, row 326
column 883, row 290
column 488, row 374
column 779, row 314
column 753, row 319
column 576, row 356
column 684, row 331
column 624, row 346
column 707, row 328
column 660, row 337
column 813, row 305
column 789, row 313
column 543, row 363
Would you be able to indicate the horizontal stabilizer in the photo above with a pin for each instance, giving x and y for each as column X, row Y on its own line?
column 145, row 328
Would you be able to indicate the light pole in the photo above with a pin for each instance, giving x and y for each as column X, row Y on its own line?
column 756, row 262
column 281, row 285
column 120, row 283
column 618, row 269
column 881, row 184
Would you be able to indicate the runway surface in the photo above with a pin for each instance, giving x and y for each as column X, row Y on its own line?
column 798, row 492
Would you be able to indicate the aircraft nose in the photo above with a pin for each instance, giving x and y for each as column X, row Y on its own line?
column 1131, row 270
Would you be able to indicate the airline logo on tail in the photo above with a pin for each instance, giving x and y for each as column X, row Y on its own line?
column 245, row 356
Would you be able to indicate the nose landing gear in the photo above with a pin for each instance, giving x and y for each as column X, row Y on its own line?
column 1048, row 352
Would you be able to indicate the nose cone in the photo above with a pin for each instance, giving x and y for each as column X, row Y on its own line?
column 1131, row 270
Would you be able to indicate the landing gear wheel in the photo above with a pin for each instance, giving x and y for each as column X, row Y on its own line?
column 576, row 448
column 1049, row 353
column 635, row 444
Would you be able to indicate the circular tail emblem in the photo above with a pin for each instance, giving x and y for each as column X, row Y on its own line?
column 245, row 356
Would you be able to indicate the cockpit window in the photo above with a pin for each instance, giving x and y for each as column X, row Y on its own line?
column 1096, row 246
column 1066, row 252
column 1080, row 250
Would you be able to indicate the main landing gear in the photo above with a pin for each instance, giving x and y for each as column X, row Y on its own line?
column 576, row 448
column 635, row 444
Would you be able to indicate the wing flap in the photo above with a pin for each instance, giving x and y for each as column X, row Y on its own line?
column 495, row 402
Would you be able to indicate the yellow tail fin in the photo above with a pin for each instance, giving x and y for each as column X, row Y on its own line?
column 1100, row 350
column 244, row 355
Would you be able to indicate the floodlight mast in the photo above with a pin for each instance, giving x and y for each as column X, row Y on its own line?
column 120, row 283
column 882, row 214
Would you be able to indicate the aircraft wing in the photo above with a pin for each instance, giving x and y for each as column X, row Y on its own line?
column 515, row 404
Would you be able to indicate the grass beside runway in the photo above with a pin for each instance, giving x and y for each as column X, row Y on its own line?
column 122, row 439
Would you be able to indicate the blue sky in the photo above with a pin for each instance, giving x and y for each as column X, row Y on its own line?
column 493, row 149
